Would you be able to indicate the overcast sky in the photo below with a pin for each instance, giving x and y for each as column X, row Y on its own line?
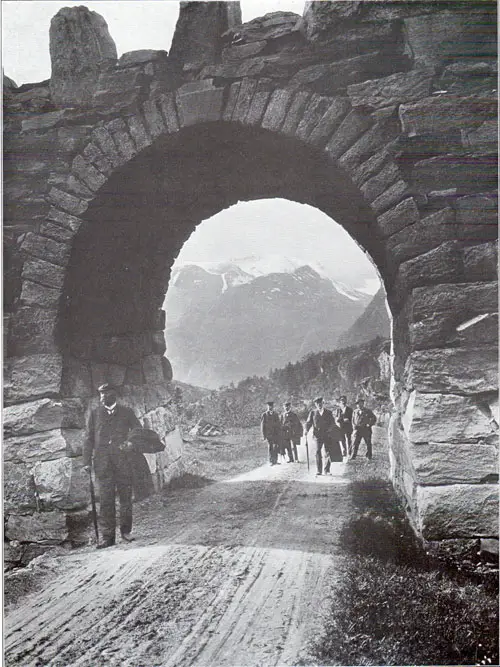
column 291, row 229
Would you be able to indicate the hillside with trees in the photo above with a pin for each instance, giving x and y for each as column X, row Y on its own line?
column 358, row 371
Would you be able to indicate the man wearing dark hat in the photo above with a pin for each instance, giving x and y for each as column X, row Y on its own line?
column 362, row 421
column 343, row 417
column 270, row 426
column 291, row 429
column 323, row 423
column 106, row 442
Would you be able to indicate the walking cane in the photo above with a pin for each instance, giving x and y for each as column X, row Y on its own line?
column 94, row 510
column 307, row 451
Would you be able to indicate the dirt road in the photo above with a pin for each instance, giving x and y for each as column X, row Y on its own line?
column 235, row 573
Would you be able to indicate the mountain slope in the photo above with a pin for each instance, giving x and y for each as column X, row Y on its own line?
column 372, row 323
column 222, row 327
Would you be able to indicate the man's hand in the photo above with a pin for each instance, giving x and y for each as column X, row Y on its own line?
column 86, row 469
column 126, row 446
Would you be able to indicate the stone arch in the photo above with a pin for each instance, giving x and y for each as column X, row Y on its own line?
column 429, row 210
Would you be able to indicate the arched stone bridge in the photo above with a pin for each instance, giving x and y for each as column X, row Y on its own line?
column 382, row 115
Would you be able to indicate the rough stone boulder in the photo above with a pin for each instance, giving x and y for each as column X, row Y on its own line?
column 199, row 29
column 80, row 47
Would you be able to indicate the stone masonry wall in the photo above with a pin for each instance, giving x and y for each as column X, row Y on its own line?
column 381, row 114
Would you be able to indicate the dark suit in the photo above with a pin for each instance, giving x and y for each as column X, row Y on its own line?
column 343, row 417
column 270, row 426
column 105, row 435
column 324, row 430
column 362, row 421
column 292, row 430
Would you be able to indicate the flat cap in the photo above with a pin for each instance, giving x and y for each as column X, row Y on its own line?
column 107, row 386
column 319, row 399
column 269, row 402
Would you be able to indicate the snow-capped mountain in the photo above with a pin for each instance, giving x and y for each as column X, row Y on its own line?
column 231, row 320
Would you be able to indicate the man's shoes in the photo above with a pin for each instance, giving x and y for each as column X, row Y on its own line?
column 318, row 474
column 289, row 461
column 106, row 544
column 127, row 537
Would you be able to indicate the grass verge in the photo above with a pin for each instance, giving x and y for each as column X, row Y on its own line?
column 396, row 605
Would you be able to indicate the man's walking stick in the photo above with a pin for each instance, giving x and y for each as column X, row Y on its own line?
column 94, row 510
column 307, row 451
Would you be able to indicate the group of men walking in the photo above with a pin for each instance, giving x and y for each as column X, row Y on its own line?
column 335, row 436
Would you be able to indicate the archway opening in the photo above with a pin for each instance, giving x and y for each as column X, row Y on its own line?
column 263, row 284
column 112, row 322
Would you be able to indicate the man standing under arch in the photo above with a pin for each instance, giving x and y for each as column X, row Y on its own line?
column 363, row 420
column 323, row 423
column 106, row 442
column 270, row 426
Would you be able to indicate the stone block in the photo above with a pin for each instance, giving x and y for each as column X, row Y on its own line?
column 243, row 51
column 440, row 463
column 485, row 137
column 46, row 249
column 204, row 106
column 443, row 113
column 121, row 136
column 466, row 173
column 458, row 510
column 477, row 217
column 422, row 236
column 314, row 111
column 31, row 377
column 277, row 109
column 448, row 418
column 351, row 128
column 444, row 264
column 436, row 38
column 481, row 262
column 391, row 196
column 232, row 98
column 392, row 89
column 76, row 378
column 154, row 120
column 74, row 438
column 43, row 446
column 376, row 138
column 140, row 57
column 453, row 370
column 42, row 527
column 92, row 154
column 152, row 369
column 61, row 484
column 31, row 331
column 134, row 375
column 66, row 201
column 18, row 488
column 33, row 294
column 295, row 113
column 245, row 96
column 169, row 111
column 44, row 121
column 444, row 313
column 87, row 173
column 44, row 414
column 158, row 343
column 379, row 183
column 105, row 142
column 138, row 132
column 330, row 121
column 395, row 219
column 161, row 419
column 372, row 166
column 257, row 107
column 56, row 232
column 168, row 373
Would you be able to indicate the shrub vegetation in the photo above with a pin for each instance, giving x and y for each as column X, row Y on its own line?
column 397, row 605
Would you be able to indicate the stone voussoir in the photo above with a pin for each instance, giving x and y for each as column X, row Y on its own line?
column 121, row 135
column 153, row 118
column 397, row 218
column 352, row 127
column 245, row 96
column 95, row 156
column 169, row 111
column 139, row 132
column 295, row 113
column 86, row 172
column 68, row 202
column 329, row 122
column 47, row 249
column 314, row 111
column 277, row 109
